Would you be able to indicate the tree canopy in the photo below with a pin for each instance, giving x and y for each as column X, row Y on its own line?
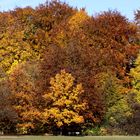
column 60, row 67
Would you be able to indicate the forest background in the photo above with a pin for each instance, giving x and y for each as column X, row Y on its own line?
column 62, row 70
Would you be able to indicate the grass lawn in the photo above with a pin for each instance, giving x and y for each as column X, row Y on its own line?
column 69, row 138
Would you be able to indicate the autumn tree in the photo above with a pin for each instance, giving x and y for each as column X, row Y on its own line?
column 25, row 32
column 63, row 104
column 24, row 98
column 137, row 15
column 137, row 20
column 135, row 78
column 75, row 60
column 115, row 37
column 132, row 126
column 57, row 40
column 8, row 116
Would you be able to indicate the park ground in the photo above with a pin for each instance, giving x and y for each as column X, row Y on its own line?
column 69, row 138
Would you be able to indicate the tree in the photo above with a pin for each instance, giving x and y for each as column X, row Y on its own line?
column 114, row 36
column 135, row 75
column 76, row 21
column 134, row 99
column 63, row 104
column 137, row 20
column 8, row 116
column 81, row 63
column 24, row 97
column 118, row 109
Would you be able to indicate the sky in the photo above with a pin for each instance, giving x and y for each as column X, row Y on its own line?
column 126, row 7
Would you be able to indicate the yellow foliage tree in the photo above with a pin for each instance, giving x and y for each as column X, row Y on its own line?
column 77, row 20
column 135, row 74
column 63, row 105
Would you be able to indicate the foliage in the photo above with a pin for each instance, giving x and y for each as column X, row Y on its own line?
column 135, row 79
column 61, row 68
column 118, row 108
column 8, row 116
column 134, row 100
column 92, row 132
column 113, row 35
column 24, row 98
column 63, row 105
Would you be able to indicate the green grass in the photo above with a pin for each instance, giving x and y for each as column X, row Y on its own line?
column 69, row 138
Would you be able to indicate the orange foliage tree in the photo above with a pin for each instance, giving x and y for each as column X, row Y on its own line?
column 24, row 98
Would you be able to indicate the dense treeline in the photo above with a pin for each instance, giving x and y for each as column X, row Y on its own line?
column 62, row 71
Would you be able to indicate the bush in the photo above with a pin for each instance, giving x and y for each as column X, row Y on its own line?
column 92, row 131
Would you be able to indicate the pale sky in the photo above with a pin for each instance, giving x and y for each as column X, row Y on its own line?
column 126, row 7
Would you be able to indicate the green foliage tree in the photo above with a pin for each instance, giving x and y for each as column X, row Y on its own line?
column 115, row 98
column 134, row 100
